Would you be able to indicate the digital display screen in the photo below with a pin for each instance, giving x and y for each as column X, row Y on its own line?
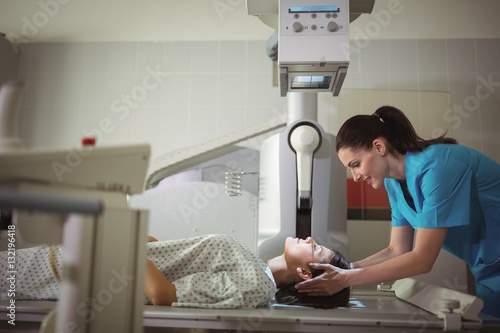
column 314, row 9
column 311, row 82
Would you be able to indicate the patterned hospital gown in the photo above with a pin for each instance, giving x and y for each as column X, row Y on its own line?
column 211, row 271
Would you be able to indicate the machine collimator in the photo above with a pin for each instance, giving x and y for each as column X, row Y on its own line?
column 313, row 45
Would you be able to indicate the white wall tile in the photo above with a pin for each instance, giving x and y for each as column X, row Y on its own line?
column 374, row 80
column 488, row 87
column 490, row 119
column 65, row 89
column 174, row 128
column 149, row 56
column 431, row 55
column 402, row 56
column 408, row 80
column 463, row 87
column 257, row 59
column 177, row 90
column 432, row 81
column 257, row 114
column 231, row 90
column 204, row 57
column 230, row 119
column 94, row 89
column 202, row 125
column 123, row 57
column 232, row 57
column 39, row 92
column 120, row 94
column 217, row 85
column 204, row 88
column 97, row 58
column 258, row 88
column 488, row 54
column 374, row 57
column 147, row 125
column 461, row 55
column 150, row 87
column 177, row 56
column 120, row 132
column 353, row 59
column 433, row 116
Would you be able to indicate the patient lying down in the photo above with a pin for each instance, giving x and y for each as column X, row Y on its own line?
column 211, row 271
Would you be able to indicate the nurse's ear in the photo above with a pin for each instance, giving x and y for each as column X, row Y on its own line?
column 380, row 146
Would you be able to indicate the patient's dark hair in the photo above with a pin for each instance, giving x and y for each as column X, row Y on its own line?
column 290, row 295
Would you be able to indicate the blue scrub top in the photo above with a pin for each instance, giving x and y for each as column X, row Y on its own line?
column 455, row 187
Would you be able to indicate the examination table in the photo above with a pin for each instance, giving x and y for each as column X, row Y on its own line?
column 368, row 311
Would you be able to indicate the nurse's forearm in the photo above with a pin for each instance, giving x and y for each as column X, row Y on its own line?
column 403, row 266
column 376, row 258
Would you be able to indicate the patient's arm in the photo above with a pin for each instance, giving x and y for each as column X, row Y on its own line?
column 158, row 288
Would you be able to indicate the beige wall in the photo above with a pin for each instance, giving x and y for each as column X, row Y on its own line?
column 202, row 90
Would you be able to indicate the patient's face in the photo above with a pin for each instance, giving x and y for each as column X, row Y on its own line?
column 300, row 252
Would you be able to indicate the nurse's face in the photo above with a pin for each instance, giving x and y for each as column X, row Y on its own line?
column 300, row 252
column 365, row 165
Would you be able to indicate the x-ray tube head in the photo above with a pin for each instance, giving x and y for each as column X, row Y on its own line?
column 313, row 45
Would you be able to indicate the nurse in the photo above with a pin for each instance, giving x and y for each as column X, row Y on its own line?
column 446, row 193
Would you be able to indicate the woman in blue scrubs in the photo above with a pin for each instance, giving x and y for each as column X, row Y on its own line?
column 448, row 193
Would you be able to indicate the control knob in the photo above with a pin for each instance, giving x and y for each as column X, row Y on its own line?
column 332, row 26
column 297, row 27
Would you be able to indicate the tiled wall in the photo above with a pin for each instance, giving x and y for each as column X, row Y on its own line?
column 176, row 94
column 468, row 69
column 171, row 95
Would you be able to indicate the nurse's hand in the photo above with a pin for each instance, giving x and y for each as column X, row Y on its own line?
column 331, row 281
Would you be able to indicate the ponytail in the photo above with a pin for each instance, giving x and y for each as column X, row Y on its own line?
column 388, row 123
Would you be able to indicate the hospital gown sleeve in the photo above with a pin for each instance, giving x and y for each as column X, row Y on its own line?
column 34, row 279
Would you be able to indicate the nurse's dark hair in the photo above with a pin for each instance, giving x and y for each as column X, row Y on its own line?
column 289, row 294
column 389, row 123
